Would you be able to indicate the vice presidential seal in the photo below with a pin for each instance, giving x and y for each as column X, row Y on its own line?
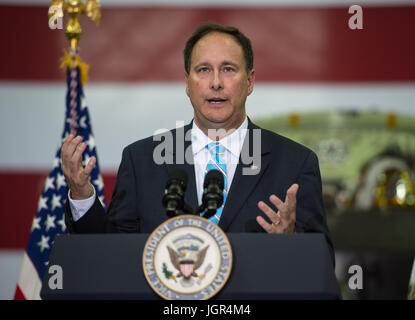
column 187, row 258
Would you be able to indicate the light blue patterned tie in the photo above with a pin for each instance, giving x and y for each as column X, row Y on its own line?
column 217, row 162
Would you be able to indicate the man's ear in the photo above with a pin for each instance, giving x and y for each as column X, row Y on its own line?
column 186, row 79
column 251, row 81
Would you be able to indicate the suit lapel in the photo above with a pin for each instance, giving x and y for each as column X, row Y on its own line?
column 243, row 184
column 190, row 196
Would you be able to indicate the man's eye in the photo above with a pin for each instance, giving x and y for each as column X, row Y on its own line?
column 228, row 69
column 203, row 69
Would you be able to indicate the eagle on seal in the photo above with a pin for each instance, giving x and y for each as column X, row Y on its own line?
column 186, row 265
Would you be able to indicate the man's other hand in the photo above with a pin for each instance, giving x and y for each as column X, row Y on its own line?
column 76, row 175
column 282, row 221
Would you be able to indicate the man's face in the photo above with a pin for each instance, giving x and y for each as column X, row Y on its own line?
column 218, row 82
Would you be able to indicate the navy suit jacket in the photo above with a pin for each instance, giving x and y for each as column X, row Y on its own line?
column 136, row 202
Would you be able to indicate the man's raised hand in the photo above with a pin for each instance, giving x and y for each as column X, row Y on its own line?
column 282, row 221
column 76, row 175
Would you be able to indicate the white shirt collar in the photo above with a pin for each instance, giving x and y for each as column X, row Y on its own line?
column 232, row 142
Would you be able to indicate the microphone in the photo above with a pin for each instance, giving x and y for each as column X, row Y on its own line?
column 173, row 198
column 212, row 192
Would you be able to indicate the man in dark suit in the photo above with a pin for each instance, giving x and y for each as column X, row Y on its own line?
column 280, row 193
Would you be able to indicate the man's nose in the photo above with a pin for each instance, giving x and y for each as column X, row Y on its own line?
column 216, row 81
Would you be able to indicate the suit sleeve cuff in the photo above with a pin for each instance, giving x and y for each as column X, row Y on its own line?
column 80, row 207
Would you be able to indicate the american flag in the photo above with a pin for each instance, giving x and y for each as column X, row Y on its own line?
column 49, row 219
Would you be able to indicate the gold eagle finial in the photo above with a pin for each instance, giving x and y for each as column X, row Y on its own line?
column 74, row 9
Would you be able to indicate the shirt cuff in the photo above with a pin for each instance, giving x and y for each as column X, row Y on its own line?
column 80, row 207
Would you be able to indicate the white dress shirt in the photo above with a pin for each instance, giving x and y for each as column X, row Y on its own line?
column 233, row 144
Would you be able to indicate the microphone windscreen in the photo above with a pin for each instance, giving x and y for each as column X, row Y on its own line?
column 177, row 175
column 214, row 176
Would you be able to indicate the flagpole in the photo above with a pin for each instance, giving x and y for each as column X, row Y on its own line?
column 73, row 93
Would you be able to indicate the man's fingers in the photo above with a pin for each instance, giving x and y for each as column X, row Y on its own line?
column 286, row 212
column 69, row 148
column 88, row 169
column 292, row 191
column 277, row 202
column 77, row 176
column 77, row 155
column 72, row 146
column 66, row 142
column 265, row 225
column 291, row 197
column 72, row 155
column 72, row 160
column 271, row 214
column 64, row 149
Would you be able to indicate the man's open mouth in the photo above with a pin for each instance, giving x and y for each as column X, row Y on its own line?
column 216, row 100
